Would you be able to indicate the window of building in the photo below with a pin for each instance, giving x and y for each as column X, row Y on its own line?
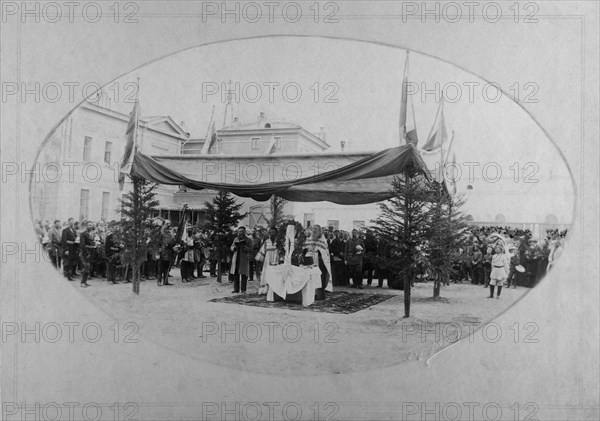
column 333, row 224
column 277, row 143
column 84, row 204
column 105, row 204
column 255, row 143
column 309, row 219
column 219, row 145
column 358, row 225
column 107, row 152
column 87, row 149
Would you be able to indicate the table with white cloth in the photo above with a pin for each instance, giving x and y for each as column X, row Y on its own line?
column 287, row 279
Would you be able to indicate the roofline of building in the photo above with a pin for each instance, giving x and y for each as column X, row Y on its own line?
column 271, row 131
column 124, row 117
column 270, row 156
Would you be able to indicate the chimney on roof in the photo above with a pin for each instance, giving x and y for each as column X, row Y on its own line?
column 261, row 118
column 321, row 134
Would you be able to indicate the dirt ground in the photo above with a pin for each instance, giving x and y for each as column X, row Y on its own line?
column 283, row 341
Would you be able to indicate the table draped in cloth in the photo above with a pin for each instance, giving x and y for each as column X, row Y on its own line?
column 288, row 279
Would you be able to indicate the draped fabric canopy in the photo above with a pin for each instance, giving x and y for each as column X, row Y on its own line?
column 349, row 179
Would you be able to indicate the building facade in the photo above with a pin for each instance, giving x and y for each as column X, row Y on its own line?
column 77, row 171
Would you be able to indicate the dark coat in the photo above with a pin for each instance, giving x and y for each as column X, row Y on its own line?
column 336, row 248
column 87, row 246
column 69, row 235
column 240, row 260
column 111, row 249
column 167, row 242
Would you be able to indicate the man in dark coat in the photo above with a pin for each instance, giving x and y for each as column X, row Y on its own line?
column 370, row 259
column 87, row 248
column 240, row 262
column 477, row 264
column 70, row 250
column 111, row 250
column 167, row 254
column 55, row 244
column 336, row 250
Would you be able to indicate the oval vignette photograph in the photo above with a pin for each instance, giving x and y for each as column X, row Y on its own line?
column 253, row 199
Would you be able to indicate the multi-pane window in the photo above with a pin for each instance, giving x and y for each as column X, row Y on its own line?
column 334, row 224
column 107, row 152
column 277, row 143
column 84, row 204
column 87, row 149
column 255, row 143
column 105, row 204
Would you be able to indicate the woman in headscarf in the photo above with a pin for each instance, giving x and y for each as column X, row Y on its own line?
column 316, row 247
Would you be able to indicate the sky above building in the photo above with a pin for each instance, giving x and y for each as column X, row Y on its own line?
column 353, row 91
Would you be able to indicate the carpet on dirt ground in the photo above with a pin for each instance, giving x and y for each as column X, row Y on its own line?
column 336, row 302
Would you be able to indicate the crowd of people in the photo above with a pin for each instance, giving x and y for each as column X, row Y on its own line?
column 498, row 256
column 91, row 249
column 491, row 256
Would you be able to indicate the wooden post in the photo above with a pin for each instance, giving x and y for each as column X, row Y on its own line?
column 407, row 227
column 219, row 247
column 136, row 252
column 437, row 276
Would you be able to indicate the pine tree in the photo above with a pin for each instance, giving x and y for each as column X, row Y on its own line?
column 445, row 235
column 277, row 205
column 222, row 214
column 137, row 210
column 401, row 227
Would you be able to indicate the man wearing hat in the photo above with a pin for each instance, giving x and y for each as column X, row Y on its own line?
column 477, row 265
column 240, row 263
column 111, row 250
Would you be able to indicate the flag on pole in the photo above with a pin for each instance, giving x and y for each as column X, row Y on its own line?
column 271, row 146
column 408, row 124
column 439, row 132
column 211, row 138
column 131, row 135
column 448, row 167
column 450, row 175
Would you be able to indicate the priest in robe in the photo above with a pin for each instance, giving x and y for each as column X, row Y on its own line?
column 316, row 247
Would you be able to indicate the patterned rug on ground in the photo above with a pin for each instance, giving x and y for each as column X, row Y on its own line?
column 336, row 302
